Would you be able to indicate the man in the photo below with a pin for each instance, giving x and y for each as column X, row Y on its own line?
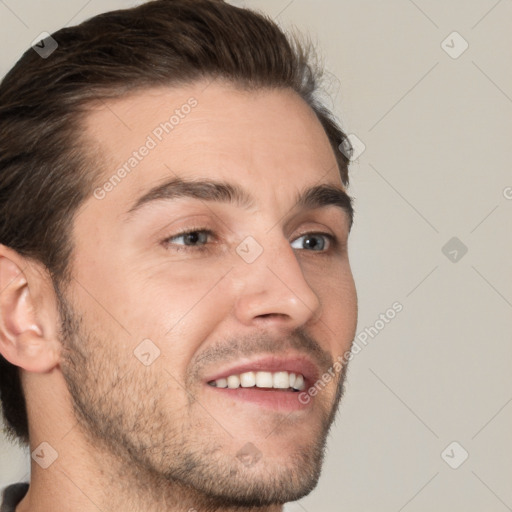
column 177, row 302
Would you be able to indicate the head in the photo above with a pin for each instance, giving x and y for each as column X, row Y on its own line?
column 178, row 116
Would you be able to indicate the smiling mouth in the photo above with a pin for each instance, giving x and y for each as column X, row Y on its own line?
column 264, row 380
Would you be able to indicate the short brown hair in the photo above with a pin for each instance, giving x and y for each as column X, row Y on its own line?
column 46, row 168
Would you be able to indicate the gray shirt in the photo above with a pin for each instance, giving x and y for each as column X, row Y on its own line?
column 12, row 495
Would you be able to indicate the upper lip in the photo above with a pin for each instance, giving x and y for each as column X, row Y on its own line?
column 291, row 363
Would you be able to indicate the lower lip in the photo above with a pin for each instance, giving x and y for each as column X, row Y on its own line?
column 272, row 399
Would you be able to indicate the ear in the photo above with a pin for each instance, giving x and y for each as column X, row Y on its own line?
column 28, row 313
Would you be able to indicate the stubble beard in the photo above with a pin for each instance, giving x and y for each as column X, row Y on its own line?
column 121, row 413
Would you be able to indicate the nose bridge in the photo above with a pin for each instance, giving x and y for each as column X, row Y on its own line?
column 271, row 281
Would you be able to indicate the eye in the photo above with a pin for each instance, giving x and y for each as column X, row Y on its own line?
column 197, row 239
column 312, row 241
column 190, row 239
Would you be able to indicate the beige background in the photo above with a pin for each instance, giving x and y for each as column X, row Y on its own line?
column 437, row 132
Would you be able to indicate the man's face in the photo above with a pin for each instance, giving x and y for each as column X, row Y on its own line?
column 152, row 318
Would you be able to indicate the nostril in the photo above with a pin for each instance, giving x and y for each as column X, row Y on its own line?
column 272, row 315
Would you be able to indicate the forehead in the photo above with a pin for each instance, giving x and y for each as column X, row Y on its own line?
column 267, row 140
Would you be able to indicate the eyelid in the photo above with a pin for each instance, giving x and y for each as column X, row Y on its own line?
column 334, row 241
column 166, row 242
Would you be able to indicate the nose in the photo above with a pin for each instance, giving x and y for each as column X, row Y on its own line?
column 273, row 289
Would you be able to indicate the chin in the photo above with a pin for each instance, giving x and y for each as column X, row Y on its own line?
column 251, row 480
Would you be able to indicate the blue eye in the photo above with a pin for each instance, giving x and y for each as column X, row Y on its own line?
column 315, row 245
column 197, row 240
column 190, row 238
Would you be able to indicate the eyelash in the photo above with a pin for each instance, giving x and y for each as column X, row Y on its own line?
column 333, row 240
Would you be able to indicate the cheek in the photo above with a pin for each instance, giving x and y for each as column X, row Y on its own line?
column 169, row 292
column 338, row 296
column 177, row 308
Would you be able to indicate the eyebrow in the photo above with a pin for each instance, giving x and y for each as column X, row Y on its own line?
column 320, row 196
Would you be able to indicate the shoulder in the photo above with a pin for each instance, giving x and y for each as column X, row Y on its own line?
column 12, row 495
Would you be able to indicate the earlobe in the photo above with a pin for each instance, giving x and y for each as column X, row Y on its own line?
column 27, row 338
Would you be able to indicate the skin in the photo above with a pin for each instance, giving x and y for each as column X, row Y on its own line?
column 135, row 437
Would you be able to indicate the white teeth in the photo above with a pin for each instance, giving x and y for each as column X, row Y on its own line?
column 281, row 380
column 233, row 381
column 264, row 380
column 299, row 382
column 276, row 380
column 222, row 383
column 248, row 379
